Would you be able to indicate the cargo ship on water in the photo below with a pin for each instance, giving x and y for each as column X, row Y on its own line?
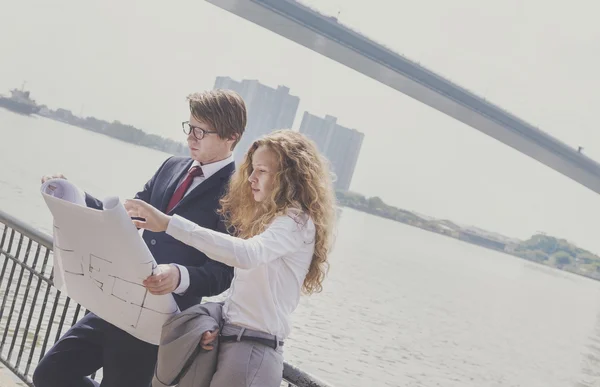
column 19, row 102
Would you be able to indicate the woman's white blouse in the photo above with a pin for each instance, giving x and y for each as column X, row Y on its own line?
column 269, row 268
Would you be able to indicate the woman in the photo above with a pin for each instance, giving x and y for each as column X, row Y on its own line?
column 280, row 207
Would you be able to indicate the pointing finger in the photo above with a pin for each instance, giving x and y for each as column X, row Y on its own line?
column 130, row 205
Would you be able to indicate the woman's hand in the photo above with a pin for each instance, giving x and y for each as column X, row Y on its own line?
column 154, row 219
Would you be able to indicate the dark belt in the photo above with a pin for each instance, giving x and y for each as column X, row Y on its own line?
column 268, row 342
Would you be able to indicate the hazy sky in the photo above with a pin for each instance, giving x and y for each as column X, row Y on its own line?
column 135, row 61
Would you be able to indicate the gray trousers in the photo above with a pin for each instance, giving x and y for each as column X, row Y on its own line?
column 247, row 363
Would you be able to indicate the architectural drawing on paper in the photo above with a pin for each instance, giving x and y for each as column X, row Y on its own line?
column 101, row 273
column 101, row 261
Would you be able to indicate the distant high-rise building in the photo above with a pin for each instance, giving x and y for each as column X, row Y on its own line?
column 268, row 109
column 339, row 144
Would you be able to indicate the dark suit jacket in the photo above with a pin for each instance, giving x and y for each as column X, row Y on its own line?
column 207, row 277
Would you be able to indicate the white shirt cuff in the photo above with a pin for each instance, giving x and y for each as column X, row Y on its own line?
column 180, row 228
column 184, row 280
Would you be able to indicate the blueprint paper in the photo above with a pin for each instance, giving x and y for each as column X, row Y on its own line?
column 100, row 260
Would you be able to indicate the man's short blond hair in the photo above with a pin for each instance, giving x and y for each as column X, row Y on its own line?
column 224, row 110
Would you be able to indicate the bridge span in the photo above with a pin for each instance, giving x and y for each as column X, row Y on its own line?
column 324, row 35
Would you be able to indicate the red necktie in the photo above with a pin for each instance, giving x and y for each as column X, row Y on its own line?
column 182, row 189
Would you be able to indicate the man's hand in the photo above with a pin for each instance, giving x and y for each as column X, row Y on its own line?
column 207, row 339
column 164, row 280
column 45, row 178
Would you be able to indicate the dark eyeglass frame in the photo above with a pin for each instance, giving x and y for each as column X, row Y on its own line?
column 199, row 133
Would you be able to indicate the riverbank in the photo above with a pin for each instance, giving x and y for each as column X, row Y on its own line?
column 540, row 248
column 118, row 130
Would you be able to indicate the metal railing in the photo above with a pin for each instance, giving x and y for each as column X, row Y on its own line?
column 34, row 314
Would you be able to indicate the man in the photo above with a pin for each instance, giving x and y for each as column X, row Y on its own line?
column 191, row 188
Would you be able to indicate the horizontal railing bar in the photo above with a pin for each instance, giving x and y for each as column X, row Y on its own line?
column 26, row 266
column 25, row 229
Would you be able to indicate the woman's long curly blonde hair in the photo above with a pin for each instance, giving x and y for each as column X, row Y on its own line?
column 302, row 182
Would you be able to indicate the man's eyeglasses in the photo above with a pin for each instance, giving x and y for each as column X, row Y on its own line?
column 199, row 133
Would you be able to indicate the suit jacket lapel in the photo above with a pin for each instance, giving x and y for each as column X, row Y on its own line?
column 176, row 177
column 214, row 180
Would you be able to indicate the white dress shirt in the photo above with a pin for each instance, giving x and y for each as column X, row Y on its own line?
column 269, row 269
column 208, row 170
